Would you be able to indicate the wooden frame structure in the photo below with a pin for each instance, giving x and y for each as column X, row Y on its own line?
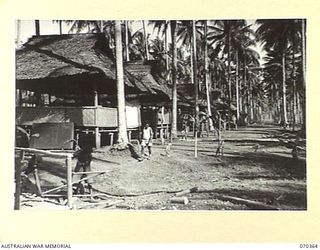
column 69, row 171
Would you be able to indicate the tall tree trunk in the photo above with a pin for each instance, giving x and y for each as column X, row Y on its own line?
column 284, row 94
column 299, row 110
column 173, row 25
column 279, row 114
column 122, row 124
column 37, row 27
column 294, row 85
column 207, row 76
column 251, row 102
column 229, row 68
column 166, row 44
column 229, row 78
column 145, row 39
column 195, row 79
column 237, row 85
column 191, row 61
column 303, row 35
column 240, row 90
column 127, row 41
column 246, row 105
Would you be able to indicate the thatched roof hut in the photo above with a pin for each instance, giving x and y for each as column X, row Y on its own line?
column 79, row 64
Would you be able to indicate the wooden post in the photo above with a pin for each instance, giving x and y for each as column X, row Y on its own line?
column 96, row 98
column 162, row 120
column 18, row 182
column 97, row 137
column 96, row 104
column 196, row 144
column 37, row 27
column 37, row 179
column 69, row 180
column 49, row 99
column 129, row 135
column 111, row 139
column 20, row 97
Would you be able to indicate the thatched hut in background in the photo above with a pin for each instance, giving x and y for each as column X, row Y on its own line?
column 72, row 78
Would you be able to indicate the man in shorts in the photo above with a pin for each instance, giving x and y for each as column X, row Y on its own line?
column 147, row 135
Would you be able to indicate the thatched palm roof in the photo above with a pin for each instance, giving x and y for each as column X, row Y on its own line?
column 77, row 63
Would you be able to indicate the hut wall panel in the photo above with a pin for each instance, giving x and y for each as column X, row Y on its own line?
column 133, row 116
column 80, row 116
column 107, row 117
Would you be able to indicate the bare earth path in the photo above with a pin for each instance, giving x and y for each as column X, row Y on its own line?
column 242, row 179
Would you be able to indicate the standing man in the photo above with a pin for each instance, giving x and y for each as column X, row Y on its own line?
column 147, row 135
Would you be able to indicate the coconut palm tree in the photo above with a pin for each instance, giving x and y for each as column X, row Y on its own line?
column 122, row 124
column 173, row 26
column 195, row 80
column 276, row 34
column 303, row 52
column 230, row 37
column 145, row 39
column 163, row 26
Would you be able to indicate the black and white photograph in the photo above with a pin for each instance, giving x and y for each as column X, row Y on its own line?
column 161, row 115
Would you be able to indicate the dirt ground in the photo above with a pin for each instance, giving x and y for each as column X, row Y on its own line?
column 255, row 172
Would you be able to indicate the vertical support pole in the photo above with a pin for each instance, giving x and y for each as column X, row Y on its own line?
column 96, row 104
column 96, row 98
column 196, row 144
column 129, row 135
column 97, row 137
column 49, row 100
column 20, row 97
column 18, row 181
column 69, row 180
column 111, row 139
column 38, row 184
column 162, row 121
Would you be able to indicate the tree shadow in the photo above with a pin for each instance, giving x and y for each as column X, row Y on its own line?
column 280, row 166
column 283, row 201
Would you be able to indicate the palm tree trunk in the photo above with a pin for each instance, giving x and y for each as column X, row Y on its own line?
column 195, row 79
column 229, row 68
column 145, row 39
column 240, row 90
column 237, row 85
column 127, row 41
column 229, row 78
column 37, row 27
column 251, row 102
column 303, row 35
column 207, row 76
column 284, row 96
column 246, row 105
column 294, row 85
column 166, row 44
column 122, row 125
column 191, row 62
column 173, row 25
